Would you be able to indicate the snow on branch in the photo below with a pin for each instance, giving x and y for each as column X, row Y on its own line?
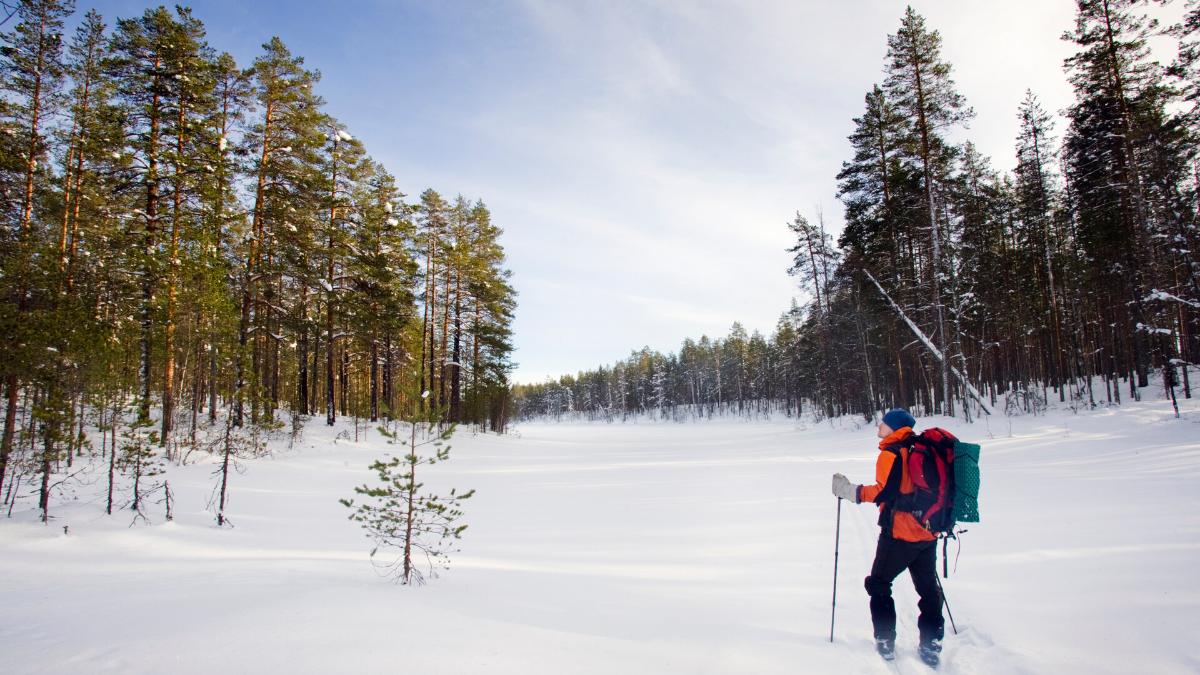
column 1164, row 296
column 1143, row 328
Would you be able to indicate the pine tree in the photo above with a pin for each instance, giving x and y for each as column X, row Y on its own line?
column 1122, row 173
column 489, row 322
column 343, row 166
column 286, row 145
column 813, row 263
column 922, row 92
column 32, row 67
column 190, row 63
column 382, row 274
column 1037, row 201
column 139, row 460
column 147, row 54
column 398, row 515
column 432, row 224
column 221, row 222
column 870, row 186
column 89, row 98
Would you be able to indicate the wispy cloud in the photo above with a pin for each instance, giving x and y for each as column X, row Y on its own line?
column 645, row 156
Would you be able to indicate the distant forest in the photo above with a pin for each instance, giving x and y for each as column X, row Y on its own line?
column 1075, row 278
column 192, row 247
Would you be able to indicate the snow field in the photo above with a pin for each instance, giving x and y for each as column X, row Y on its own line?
column 636, row 548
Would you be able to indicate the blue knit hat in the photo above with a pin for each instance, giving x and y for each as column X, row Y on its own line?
column 898, row 418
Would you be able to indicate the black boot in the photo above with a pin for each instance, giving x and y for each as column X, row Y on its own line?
column 931, row 651
column 886, row 648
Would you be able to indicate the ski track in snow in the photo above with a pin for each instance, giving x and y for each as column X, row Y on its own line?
column 647, row 547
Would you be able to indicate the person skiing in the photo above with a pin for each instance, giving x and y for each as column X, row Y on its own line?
column 904, row 544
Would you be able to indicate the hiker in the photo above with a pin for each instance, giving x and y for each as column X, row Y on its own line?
column 904, row 544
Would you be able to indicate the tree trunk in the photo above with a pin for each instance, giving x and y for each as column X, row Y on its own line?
column 249, row 281
column 315, row 379
column 78, row 176
column 112, row 459
column 374, row 380
column 442, row 394
column 11, row 385
column 476, row 410
column 197, row 389
column 149, row 242
column 302, row 354
column 935, row 239
column 35, row 113
column 212, row 382
column 330, row 402
column 389, row 401
column 276, row 330
column 48, row 438
column 344, row 379
column 228, row 453
column 168, row 392
column 456, row 382
column 412, row 497
column 430, row 354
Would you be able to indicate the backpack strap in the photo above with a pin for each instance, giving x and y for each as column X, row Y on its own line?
column 893, row 499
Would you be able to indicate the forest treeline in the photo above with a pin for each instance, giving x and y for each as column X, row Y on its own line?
column 192, row 246
column 1075, row 277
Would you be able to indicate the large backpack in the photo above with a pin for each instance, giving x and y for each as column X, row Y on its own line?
column 945, row 476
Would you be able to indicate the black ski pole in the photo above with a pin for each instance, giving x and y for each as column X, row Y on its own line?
column 837, row 540
column 945, row 601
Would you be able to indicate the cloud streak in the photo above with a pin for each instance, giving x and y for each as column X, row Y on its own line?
column 645, row 157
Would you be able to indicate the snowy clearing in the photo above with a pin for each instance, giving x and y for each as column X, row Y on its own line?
column 637, row 548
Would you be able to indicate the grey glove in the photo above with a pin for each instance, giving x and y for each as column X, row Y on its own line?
column 844, row 489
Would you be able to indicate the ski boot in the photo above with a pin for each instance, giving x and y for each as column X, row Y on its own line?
column 931, row 651
column 886, row 648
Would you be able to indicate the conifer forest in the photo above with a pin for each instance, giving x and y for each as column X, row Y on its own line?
column 193, row 240
column 306, row 305
column 958, row 289
column 193, row 246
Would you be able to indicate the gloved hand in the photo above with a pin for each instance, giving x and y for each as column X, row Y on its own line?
column 844, row 489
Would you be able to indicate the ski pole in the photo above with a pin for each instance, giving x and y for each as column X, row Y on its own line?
column 945, row 601
column 837, row 540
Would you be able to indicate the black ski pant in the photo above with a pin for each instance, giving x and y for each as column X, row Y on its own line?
column 893, row 556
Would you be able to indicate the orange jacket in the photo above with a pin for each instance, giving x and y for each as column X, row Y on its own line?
column 891, row 481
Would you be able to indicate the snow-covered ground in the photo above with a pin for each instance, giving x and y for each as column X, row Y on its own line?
column 637, row 548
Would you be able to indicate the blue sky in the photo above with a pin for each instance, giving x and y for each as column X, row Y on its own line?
column 643, row 158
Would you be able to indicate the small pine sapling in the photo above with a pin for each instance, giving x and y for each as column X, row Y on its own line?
column 139, row 459
column 51, row 416
column 237, row 442
column 298, row 421
column 402, row 519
